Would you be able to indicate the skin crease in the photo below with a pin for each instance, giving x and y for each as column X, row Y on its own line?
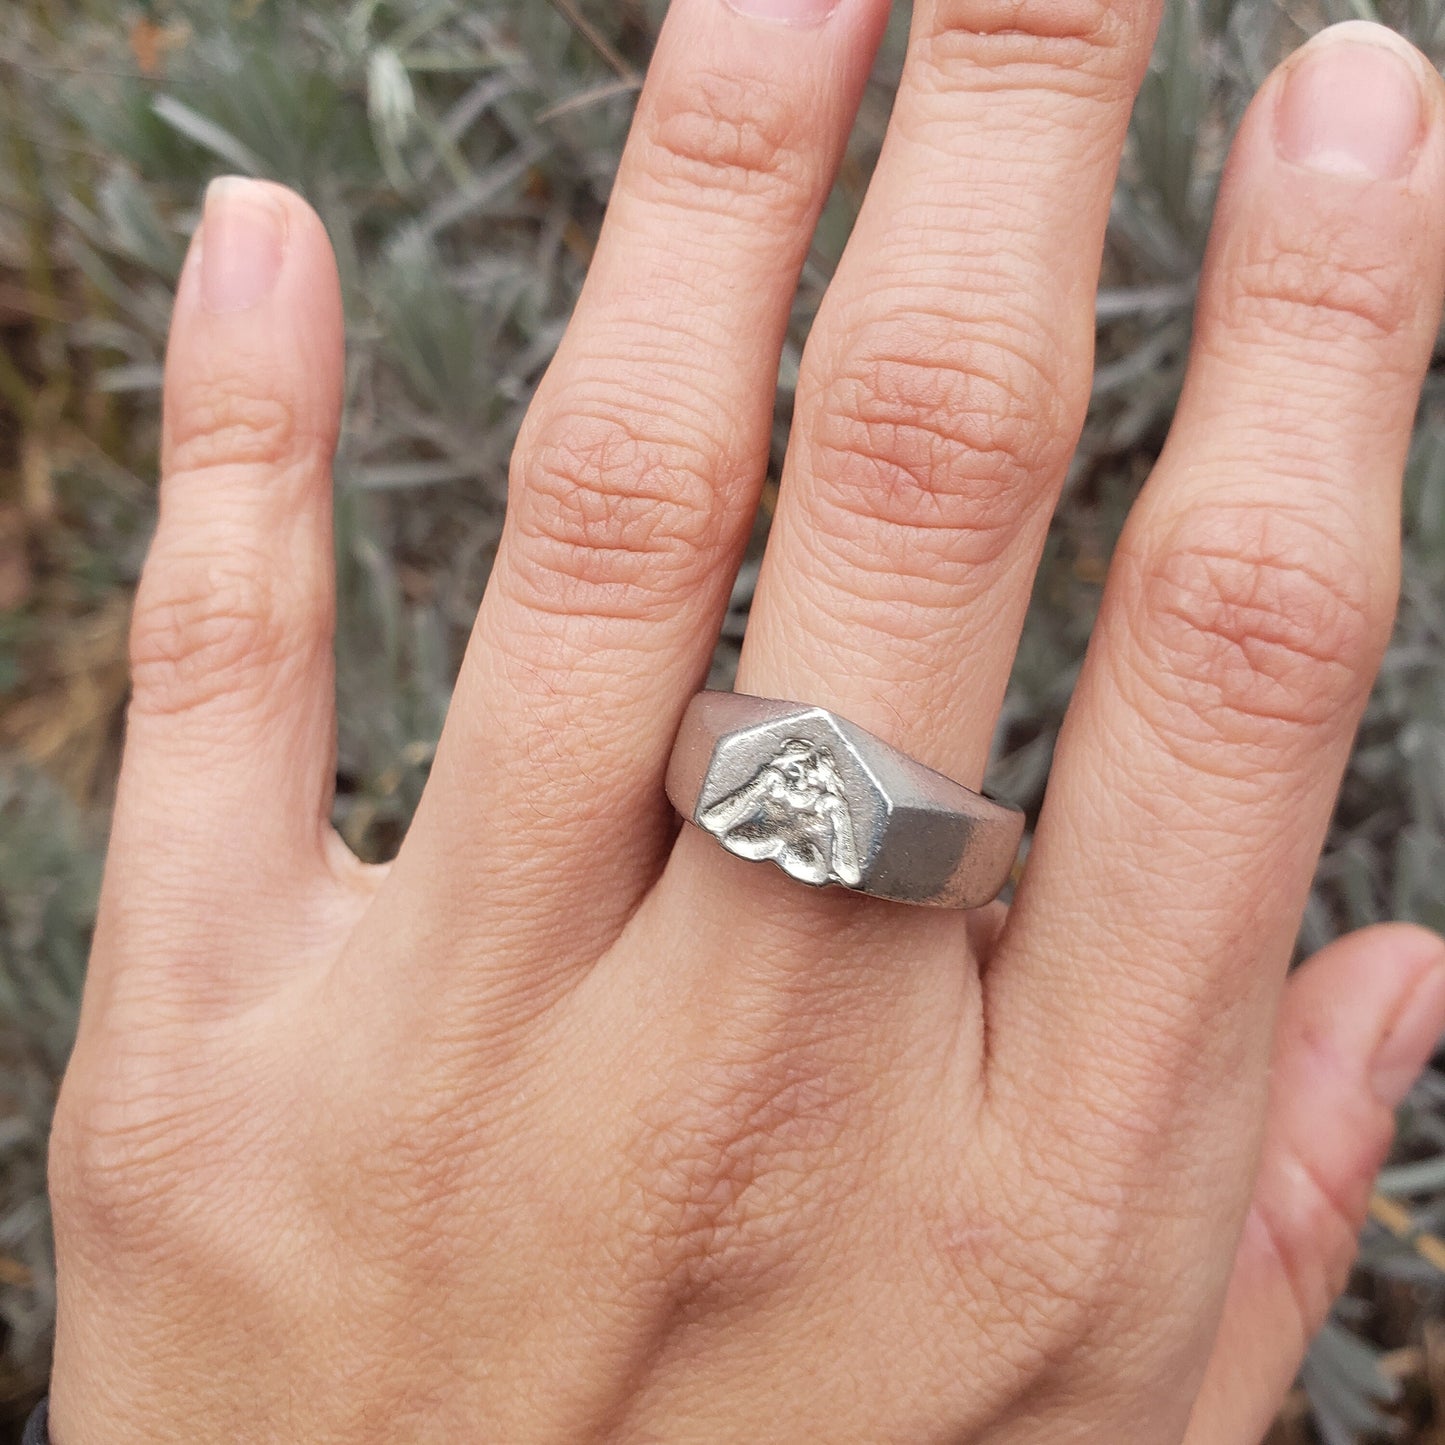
column 568, row 1127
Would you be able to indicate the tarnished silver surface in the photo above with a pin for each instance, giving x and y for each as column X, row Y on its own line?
column 829, row 803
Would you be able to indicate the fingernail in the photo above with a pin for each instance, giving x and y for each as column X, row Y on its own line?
column 1412, row 1039
column 786, row 12
column 1352, row 103
column 243, row 240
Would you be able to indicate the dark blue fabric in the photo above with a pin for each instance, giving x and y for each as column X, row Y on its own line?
column 35, row 1431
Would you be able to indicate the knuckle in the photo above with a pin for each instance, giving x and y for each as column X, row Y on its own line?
column 413, row 1167
column 207, row 628
column 612, row 519
column 225, row 423
column 736, row 137
column 1035, row 1292
column 1319, row 287
column 946, row 448
column 1091, row 1173
column 110, row 1157
column 1043, row 1259
column 95, row 1188
column 158, row 1157
column 723, row 1177
column 1250, row 620
column 1070, row 46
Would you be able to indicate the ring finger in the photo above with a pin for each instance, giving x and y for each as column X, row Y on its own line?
column 941, row 396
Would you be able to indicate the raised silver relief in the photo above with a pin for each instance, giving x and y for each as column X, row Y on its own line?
column 794, row 811
column 831, row 803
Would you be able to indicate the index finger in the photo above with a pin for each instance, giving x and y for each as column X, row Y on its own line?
column 1244, row 618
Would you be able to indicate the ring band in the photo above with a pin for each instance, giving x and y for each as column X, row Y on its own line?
column 829, row 803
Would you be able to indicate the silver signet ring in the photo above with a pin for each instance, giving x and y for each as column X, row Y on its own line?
column 830, row 803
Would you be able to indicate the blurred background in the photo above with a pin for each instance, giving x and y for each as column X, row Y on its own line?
column 461, row 152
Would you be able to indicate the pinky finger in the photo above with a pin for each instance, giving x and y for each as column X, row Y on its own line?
column 1358, row 1023
column 228, row 768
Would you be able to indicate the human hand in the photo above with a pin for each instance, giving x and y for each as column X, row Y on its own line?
column 563, row 1128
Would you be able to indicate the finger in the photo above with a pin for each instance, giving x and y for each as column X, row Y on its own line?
column 637, row 475
column 946, row 379
column 227, row 777
column 1359, row 1022
column 1244, row 617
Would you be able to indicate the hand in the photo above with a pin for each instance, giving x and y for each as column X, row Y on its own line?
column 566, row 1128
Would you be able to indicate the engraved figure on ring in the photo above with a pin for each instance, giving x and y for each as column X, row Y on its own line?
column 795, row 812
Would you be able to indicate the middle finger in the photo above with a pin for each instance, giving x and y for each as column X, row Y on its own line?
column 947, row 376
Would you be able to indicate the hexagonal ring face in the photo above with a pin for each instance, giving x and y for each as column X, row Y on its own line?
column 795, row 791
column 829, row 803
